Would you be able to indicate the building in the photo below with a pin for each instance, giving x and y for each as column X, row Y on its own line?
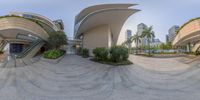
column 167, row 38
column 140, row 29
column 100, row 25
column 143, row 40
column 156, row 42
column 25, row 34
column 172, row 33
column 128, row 35
column 188, row 37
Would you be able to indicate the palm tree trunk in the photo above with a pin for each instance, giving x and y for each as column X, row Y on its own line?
column 149, row 47
column 136, row 46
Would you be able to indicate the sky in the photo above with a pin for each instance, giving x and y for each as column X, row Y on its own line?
column 161, row 14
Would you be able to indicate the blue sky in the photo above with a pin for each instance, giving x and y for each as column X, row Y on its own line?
column 162, row 14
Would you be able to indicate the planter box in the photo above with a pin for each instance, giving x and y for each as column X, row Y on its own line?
column 53, row 61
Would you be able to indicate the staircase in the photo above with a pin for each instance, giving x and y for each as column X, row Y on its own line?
column 31, row 50
column 2, row 45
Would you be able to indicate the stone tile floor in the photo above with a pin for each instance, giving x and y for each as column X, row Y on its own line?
column 76, row 78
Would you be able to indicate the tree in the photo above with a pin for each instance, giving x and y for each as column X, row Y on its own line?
column 166, row 46
column 149, row 34
column 136, row 39
column 57, row 39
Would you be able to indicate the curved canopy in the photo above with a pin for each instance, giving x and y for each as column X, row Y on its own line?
column 91, row 9
column 10, row 27
column 37, row 17
column 113, row 15
column 189, row 33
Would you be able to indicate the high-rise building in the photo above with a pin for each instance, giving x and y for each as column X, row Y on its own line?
column 128, row 34
column 167, row 38
column 172, row 33
column 140, row 29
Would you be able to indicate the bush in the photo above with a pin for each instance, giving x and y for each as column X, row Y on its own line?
column 197, row 53
column 53, row 54
column 101, row 54
column 119, row 54
column 57, row 39
column 85, row 53
column 1, row 52
column 193, row 53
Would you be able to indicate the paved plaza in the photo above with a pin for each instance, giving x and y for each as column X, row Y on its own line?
column 76, row 78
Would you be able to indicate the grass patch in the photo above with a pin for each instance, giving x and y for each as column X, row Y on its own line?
column 113, row 63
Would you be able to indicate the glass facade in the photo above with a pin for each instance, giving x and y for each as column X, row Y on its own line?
column 128, row 34
column 16, row 48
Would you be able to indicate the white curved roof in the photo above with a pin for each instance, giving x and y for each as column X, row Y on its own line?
column 113, row 15
column 91, row 9
column 10, row 27
column 42, row 18
column 189, row 33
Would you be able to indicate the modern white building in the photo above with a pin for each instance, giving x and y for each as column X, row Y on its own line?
column 25, row 34
column 188, row 36
column 100, row 25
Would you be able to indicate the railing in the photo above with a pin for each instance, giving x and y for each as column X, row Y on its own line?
column 2, row 45
column 28, row 49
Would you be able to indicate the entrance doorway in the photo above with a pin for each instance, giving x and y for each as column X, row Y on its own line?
column 16, row 48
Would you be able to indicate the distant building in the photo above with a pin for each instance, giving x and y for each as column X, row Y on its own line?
column 156, row 42
column 128, row 35
column 167, row 38
column 140, row 29
column 144, row 40
column 172, row 33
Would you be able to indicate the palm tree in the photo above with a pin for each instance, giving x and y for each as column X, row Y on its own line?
column 136, row 39
column 127, row 44
column 149, row 34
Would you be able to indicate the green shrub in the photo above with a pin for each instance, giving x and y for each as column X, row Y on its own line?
column 85, row 53
column 1, row 52
column 193, row 53
column 197, row 53
column 101, row 54
column 53, row 54
column 118, row 54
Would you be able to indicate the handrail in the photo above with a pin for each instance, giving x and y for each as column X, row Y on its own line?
column 3, row 44
column 28, row 49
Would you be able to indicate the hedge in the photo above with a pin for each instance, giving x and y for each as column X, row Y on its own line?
column 101, row 53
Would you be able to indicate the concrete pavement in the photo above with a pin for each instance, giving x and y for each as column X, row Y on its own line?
column 76, row 78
